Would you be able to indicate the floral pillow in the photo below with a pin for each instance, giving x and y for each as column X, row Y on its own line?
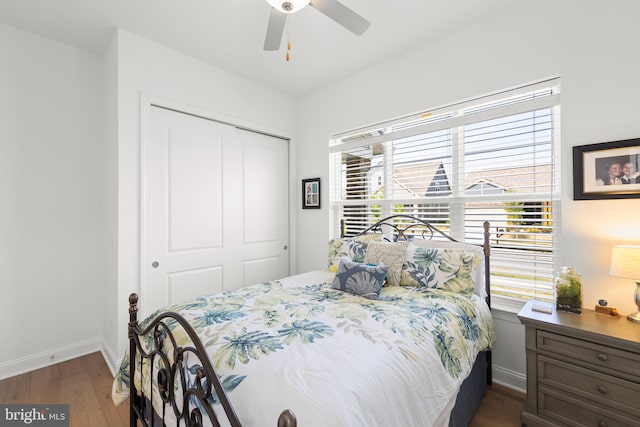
column 442, row 268
column 391, row 254
column 359, row 279
column 354, row 249
column 439, row 244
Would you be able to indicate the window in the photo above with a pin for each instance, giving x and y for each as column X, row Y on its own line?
column 495, row 158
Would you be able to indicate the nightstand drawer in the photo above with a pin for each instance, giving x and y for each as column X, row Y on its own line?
column 567, row 411
column 607, row 390
column 610, row 359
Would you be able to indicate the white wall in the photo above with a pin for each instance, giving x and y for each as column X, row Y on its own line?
column 144, row 67
column 51, row 234
column 590, row 44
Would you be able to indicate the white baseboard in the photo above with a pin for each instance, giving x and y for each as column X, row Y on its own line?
column 113, row 362
column 508, row 378
column 32, row 362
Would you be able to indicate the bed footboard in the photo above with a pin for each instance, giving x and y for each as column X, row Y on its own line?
column 181, row 376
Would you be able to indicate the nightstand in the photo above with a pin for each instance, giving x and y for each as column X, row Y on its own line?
column 582, row 369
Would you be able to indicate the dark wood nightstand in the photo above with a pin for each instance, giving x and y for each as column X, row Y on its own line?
column 582, row 369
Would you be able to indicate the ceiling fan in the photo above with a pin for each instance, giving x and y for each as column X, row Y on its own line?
column 331, row 8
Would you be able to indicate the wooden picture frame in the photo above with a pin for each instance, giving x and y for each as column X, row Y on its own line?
column 599, row 170
column 311, row 193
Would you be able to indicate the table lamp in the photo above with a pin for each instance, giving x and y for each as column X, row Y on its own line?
column 625, row 262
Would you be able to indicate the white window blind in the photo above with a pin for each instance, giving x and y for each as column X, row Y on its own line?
column 494, row 158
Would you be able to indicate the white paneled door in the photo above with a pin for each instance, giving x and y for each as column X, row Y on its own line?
column 215, row 208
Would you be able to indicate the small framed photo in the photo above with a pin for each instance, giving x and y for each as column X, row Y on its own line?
column 608, row 170
column 311, row 193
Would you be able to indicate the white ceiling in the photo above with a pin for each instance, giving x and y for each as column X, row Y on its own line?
column 230, row 33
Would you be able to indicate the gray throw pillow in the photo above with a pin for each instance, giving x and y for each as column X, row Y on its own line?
column 359, row 279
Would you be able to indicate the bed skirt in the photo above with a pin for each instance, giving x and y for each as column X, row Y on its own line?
column 471, row 393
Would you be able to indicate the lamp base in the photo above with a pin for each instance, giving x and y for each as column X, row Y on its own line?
column 634, row 317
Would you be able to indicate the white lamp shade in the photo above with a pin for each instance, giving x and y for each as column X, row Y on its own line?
column 625, row 262
column 293, row 5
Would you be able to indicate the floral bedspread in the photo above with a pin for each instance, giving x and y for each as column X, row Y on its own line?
column 334, row 358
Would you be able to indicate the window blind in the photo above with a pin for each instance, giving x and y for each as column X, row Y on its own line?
column 494, row 158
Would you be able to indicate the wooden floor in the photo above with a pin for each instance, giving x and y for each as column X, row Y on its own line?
column 501, row 407
column 85, row 384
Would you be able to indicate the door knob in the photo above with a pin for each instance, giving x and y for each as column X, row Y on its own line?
column 155, row 264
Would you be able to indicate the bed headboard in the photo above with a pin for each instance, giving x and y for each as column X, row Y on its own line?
column 402, row 227
column 406, row 227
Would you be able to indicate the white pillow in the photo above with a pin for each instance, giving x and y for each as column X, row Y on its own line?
column 434, row 244
column 391, row 254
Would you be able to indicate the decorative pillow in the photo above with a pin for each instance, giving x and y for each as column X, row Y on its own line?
column 478, row 278
column 359, row 279
column 442, row 268
column 391, row 254
column 334, row 248
column 354, row 249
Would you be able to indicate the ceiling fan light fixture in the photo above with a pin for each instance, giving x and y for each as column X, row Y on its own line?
column 288, row 6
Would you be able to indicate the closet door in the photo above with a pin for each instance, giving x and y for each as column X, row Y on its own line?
column 215, row 208
column 263, row 237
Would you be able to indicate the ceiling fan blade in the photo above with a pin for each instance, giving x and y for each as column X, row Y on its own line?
column 342, row 15
column 277, row 21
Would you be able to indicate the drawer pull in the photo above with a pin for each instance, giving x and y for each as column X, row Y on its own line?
column 602, row 424
column 602, row 389
column 602, row 357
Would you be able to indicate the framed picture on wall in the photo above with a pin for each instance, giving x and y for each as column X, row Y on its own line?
column 311, row 193
column 608, row 170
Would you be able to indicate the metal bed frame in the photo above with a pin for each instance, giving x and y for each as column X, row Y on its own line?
column 170, row 372
column 171, row 367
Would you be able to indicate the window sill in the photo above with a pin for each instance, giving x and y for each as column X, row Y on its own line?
column 507, row 305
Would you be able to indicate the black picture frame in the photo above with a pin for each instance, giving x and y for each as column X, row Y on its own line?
column 311, row 193
column 594, row 170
